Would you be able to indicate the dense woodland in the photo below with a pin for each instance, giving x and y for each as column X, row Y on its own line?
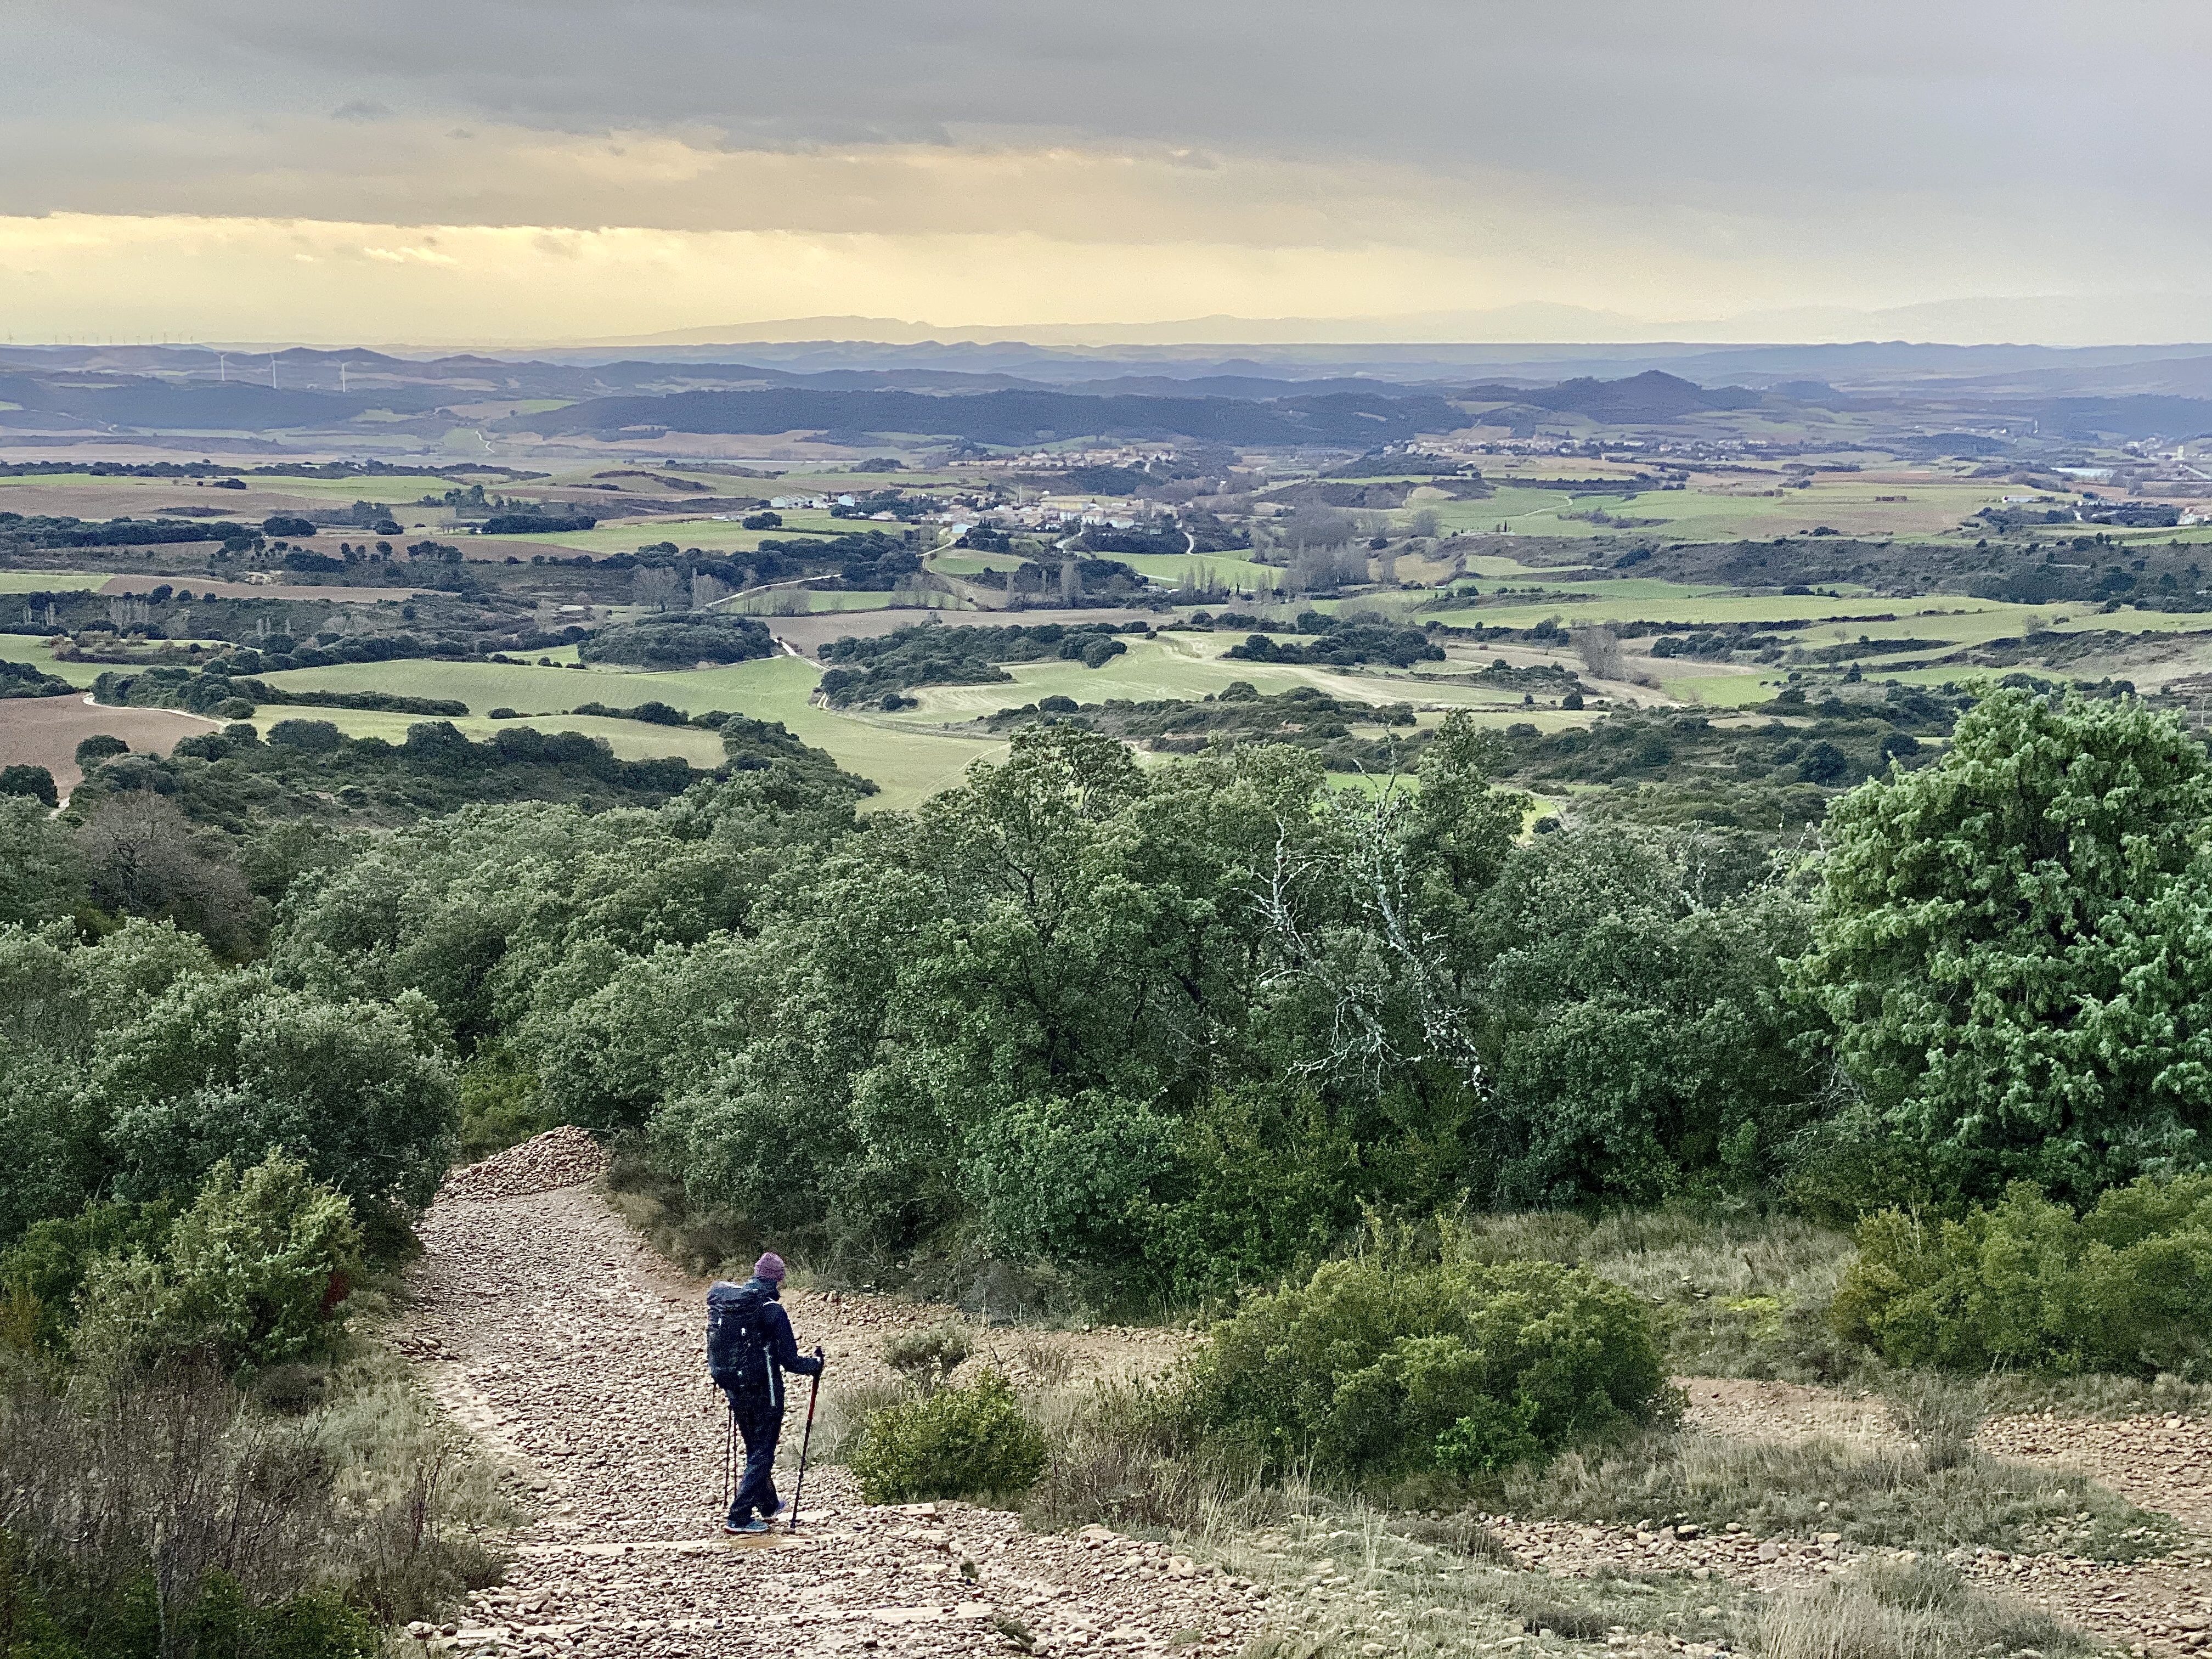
column 1176, row 1028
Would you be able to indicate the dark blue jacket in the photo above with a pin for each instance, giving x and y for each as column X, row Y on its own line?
column 783, row 1354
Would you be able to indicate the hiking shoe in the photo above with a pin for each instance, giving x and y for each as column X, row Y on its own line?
column 752, row 1526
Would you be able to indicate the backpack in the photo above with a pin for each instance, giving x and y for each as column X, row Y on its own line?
column 737, row 1342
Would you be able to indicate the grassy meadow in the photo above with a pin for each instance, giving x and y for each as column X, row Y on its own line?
column 30, row 648
column 707, row 534
column 907, row 764
column 50, row 581
column 1913, row 506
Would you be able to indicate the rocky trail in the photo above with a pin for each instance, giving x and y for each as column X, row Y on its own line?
column 546, row 1325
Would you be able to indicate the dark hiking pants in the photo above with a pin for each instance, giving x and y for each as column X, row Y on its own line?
column 760, row 1425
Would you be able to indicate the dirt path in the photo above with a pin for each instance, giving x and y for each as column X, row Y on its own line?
column 546, row 1325
column 549, row 1328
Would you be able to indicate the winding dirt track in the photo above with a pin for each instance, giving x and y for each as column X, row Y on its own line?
column 546, row 1325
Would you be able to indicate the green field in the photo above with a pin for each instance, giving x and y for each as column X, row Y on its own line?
column 1726, row 691
column 32, row 648
column 708, row 534
column 819, row 601
column 1924, row 506
column 1804, row 610
column 1495, row 567
column 1224, row 567
column 964, row 563
column 1623, row 589
column 48, row 582
column 390, row 491
column 1192, row 665
column 908, row 765
column 823, row 484
column 73, row 480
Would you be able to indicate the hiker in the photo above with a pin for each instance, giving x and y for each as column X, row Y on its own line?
column 749, row 1347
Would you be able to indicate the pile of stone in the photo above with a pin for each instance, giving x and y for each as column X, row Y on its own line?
column 566, row 1157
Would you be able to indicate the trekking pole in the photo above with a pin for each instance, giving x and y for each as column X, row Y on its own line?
column 805, row 1441
column 729, row 1449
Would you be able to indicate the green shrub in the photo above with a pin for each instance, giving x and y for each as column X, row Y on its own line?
column 224, row 1625
column 2003, row 942
column 940, row 1347
column 53, row 1614
column 257, row 1270
column 48, row 1265
column 499, row 1104
column 956, row 1442
column 1373, row 1368
column 2025, row 1283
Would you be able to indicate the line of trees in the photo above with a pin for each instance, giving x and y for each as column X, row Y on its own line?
column 1174, row 1029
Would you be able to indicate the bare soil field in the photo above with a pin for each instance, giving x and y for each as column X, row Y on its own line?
column 46, row 731
column 147, row 498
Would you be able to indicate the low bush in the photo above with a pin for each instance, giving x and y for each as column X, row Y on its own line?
column 1732, row 1295
column 46, row 1267
column 49, row 1617
column 939, row 1348
column 415, row 1500
column 1123, row 1454
column 1377, row 1367
column 256, row 1272
column 2026, row 1284
column 679, row 642
column 841, row 1430
column 956, row 1442
column 1042, row 1361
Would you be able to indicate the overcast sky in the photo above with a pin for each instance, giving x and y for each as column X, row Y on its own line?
column 444, row 170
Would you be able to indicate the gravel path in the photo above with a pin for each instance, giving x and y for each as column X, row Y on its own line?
column 546, row 1325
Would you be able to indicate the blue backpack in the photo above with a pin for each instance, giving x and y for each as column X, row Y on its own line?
column 737, row 1343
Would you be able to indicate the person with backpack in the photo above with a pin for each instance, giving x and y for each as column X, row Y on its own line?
column 749, row 1348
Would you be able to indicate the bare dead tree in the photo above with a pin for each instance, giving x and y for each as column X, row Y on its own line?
column 1600, row 652
column 1383, row 959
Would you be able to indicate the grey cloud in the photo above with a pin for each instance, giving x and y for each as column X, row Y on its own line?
column 1700, row 93
column 1884, row 131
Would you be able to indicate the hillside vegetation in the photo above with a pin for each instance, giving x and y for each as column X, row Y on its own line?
column 1502, row 955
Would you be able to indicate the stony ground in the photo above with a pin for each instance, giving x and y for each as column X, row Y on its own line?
column 2158, row 1605
column 547, row 1326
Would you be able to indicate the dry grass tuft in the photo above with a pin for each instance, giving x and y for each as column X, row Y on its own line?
column 1932, row 1497
column 1919, row 1610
